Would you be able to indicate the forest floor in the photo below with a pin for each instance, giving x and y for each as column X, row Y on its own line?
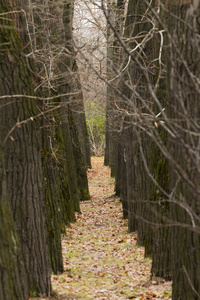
column 101, row 259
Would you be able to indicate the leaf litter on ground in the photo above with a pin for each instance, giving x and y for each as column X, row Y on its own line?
column 101, row 258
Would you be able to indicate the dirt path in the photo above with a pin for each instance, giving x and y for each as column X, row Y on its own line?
column 101, row 258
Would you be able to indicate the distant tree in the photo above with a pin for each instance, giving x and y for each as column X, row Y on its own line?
column 95, row 113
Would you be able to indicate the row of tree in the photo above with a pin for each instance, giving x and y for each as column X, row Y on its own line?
column 44, row 145
column 152, row 139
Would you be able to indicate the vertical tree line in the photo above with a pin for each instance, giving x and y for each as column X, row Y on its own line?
column 44, row 143
column 156, row 127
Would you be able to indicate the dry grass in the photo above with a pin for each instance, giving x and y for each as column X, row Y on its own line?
column 101, row 259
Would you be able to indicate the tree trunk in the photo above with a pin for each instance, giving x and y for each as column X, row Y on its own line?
column 115, row 14
column 70, row 165
column 184, row 69
column 78, row 111
column 13, row 285
column 55, row 212
column 21, row 144
column 83, row 190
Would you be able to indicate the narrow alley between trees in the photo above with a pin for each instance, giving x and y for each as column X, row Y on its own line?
column 119, row 78
column 101, row 259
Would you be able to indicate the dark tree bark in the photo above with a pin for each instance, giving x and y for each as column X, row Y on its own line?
column 161, row 234
column 74, row 86
column 133, row 79
column 120, row 157
column 78, row 111
column 162, row 164
column 106, row 154
column 21, row 142
column 123, row 183
column 138, row 145
column 184, row 66
column 83, row 190
column 70, row 165
column 60, row 189
column 115, row 14
column 108, row 103
column 131, row 192
column 13, row 285
column 55, row 212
